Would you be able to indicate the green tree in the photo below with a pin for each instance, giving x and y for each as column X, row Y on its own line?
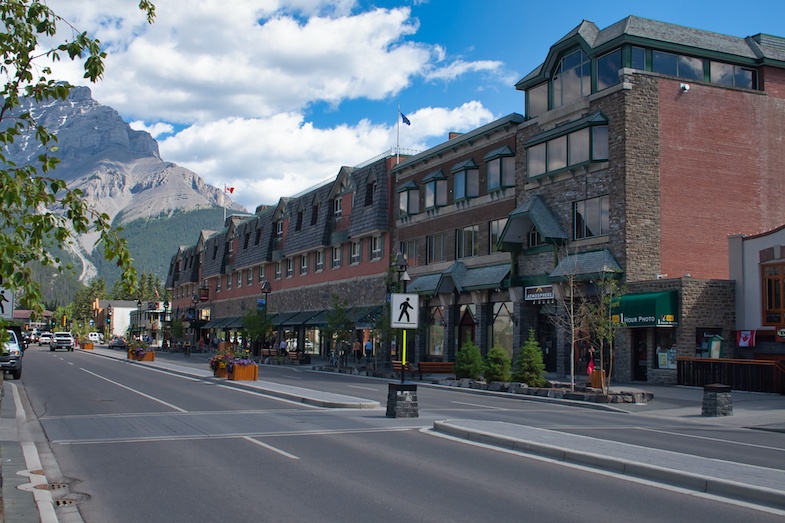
column 529, row 367
column 37, row 210
column 497, row 365
column 468, row 362
column 339, row 328
column 257, row 326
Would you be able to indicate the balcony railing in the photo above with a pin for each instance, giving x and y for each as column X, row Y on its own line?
column 747, row 375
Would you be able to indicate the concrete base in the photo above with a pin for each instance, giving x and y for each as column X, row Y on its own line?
column 717, row 401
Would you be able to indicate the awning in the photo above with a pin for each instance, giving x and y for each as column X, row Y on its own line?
column 234, row 323
column 534, row 212
column 281, row 317
column 586, row 266
column 647, row 309
column 218, row 323
column 299, row 318
column 458, row 277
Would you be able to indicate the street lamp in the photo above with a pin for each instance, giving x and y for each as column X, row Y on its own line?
column 163, row 323
column 139, row 318
column 108, row 325
column 194, row 301
column 266, row 290
column 401, row 265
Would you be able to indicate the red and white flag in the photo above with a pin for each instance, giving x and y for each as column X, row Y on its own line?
column 230, row 190
column 745, row 338
column 590, row 367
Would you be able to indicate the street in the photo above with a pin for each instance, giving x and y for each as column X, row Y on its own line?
column 134, row 443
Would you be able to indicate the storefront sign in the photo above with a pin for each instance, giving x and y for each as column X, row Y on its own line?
column 539, row 293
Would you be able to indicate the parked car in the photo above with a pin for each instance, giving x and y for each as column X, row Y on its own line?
column 95, row 337
column 118, row 343
column 62, row 340
column 45, row 338
column 34, row 335
column 11, row 356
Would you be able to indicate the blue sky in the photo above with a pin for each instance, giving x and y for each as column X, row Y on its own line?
column 273, row 97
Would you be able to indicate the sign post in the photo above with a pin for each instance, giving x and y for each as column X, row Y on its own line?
column 404, row 315
column 6, row 302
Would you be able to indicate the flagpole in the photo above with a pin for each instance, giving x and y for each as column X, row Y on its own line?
column 223, row 200
column 398, row 138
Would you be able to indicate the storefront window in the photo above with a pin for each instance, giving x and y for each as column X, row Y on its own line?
column 501, row 328
column 437, row 332
column 665, row 351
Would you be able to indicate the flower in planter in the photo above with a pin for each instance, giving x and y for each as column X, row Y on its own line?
column 239, row 361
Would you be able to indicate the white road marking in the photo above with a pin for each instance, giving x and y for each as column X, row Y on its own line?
column 363, row 388
column 162, row 402
column 477, row 405
column 270, row 447
column 720, row 440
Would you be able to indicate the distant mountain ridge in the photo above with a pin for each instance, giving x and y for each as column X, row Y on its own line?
column 122, row 174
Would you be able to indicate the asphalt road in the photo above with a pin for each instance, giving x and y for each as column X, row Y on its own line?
column 136, row 444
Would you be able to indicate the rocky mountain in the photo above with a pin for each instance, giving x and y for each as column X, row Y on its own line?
column 122, row 174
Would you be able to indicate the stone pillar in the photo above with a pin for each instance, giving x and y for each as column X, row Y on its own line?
column 717, row 400
column 402, row 400
column 450, row 339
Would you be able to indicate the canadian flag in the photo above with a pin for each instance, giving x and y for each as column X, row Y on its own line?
column 230, row 190
column 745, row 338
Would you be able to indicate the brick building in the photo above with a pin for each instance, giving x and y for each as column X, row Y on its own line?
column 645, row 146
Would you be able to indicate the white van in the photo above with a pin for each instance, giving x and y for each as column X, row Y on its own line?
column 95, row 337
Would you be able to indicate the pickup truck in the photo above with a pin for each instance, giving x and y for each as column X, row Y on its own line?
column 12, row 352
column 62, row 340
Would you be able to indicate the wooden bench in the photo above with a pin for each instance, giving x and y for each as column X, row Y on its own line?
column 295, row 357
column 435, row 367
column 269, row 353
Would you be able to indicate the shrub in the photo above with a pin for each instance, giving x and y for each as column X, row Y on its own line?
column 529, row 367
column 497, row 365
column 468, row 362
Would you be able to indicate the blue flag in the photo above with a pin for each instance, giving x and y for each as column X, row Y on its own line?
column 405, row 120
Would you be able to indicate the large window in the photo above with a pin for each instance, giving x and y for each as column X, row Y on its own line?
column 591, row 218
column 467, row 242
column 608, row 69
column 773, row 277
column 437, row 331
column 435, row 190
column 495, row 229
column 686, row 67
column 466, row 180
column 581, row 146
column 537, row 100
column 502, row 326
column 572, row 78
column 435, row 248
column 733, row 75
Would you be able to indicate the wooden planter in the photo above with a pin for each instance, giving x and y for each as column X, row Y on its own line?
column 221, row 373
column 87, row 345
column 148, row 356
column 244, row 373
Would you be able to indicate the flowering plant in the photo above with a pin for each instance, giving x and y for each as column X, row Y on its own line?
column 239, row 361
column 220, row 361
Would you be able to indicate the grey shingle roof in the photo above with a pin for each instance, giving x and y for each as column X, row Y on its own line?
column 587, row 264
column 373, row 217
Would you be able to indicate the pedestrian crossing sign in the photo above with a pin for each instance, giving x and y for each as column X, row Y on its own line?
column 404, row 310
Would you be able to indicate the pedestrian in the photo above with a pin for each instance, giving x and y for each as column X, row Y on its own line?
column 187, row 349
column 344, row 353
column 368, row 351
column 282, row 348
column 201, row 344
column 357, row 351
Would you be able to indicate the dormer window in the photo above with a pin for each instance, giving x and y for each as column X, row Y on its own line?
column 435, row 190
column 408, row 199
column 572, row 78
column 466, row 180
column 500, row 165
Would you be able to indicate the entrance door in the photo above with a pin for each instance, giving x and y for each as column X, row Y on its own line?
column 547, row 340
column 466, row 328
column 640, row 353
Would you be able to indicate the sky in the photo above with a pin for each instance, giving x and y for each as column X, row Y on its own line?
column 272, row 97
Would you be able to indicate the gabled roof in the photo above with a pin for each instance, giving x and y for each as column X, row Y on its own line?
column 586, row 265
column 533, row 212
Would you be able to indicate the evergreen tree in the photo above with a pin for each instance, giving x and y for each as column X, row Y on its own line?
column 497, row 365
column 468, row 362
column 529, row 367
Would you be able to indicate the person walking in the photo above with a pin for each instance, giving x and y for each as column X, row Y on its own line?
column 357, row 351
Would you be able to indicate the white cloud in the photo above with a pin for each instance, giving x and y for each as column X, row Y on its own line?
column 228, row 85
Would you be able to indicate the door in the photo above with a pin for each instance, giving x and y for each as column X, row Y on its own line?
column 640, row 352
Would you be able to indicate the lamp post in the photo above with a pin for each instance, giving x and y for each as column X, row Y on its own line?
column 401, row 266
column 163, row 323
column 194, row 301
column 108, row 326
column 266, row 290
column 139, row 318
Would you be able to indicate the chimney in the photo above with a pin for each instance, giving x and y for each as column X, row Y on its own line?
column 453, row 134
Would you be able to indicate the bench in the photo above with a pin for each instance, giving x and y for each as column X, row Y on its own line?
column 435, row 367
column 269, row 353
column 295, row 357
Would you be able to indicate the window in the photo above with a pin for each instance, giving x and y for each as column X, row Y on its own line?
column 336, row 258
column 215, row 251
column 289, row 267
column 278, row 272
column 534, row 238
column 261, row 273
column 299, row 224
column 587, row 143
column 218, row 284
column 247, row 239
column 319, row 264
column 228, row 281
column 733, row 75
column 773, row 279
column 591, row 218
column 537, row 100
column 435, row 190
column 337, row 206
column 314, row 214
column 375, row 249
column 466, row 180
column 239, row 279
column 303, row 264
column 466, row 242
column 355, row 252
column 434, row 248
column 370, row 190
column 279, row 229
column 682, row 66
column 638, row 58
column 500, row 165
column 495, row 229
column 608, row 69
column 572, row 78
column 409, row 249
column 258, row 236
column 408, row 199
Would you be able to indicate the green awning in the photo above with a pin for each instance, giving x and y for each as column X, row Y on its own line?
column 648, row 309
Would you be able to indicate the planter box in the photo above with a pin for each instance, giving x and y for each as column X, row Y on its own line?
column 87, row 345
column 148, row 356
column 244, row 373
column 221, row 373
